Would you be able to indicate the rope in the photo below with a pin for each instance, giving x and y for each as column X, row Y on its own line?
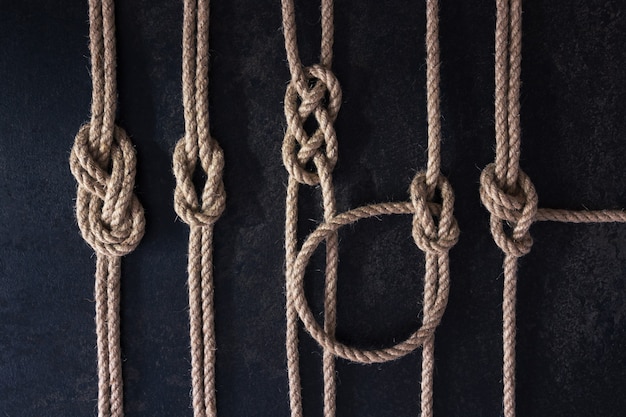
column 109, row 215
column 199, row 212
column 302, row 102
column 507, row 192
column 314, row 93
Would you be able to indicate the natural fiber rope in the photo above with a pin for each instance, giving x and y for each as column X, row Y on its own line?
column 199, row 212
column 315, row 92
column 296, row 160
column 109, row 215
column 507, row 192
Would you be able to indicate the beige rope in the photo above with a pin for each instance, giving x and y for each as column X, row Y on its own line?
column 199, row 212
column 314, row 92
column 507, row 192
column 109, row 215
column 296, row 160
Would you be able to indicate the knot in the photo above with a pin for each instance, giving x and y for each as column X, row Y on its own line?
column 186, row 201
column 296, row 298
column 109, row 214
column 435, row 229
column 517, row 207
column 319, row 96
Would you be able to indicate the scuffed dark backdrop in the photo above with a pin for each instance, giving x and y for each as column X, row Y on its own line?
column 572, row 310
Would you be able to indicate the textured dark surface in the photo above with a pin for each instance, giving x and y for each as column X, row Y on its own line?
column 572, row 310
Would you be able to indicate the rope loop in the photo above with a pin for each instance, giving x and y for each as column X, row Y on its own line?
column 295, row 283
column 435, row 230
column 110, row 217
column 517, row 207
column 192, row 209
column 318, row 95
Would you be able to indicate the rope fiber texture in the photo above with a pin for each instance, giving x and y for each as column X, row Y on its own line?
column 507, row 192
column 110, row 217
column 314, row 94
column 198, row 150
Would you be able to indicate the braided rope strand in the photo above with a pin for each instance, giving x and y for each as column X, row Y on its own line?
column 102, row 335
column 197, row 150
column 110, row 217
column 302, row 102
column 291, row 336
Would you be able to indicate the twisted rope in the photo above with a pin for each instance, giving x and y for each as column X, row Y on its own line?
column 199, row 212
column 305, row 98
column 507, row 192
column 314, row 92
column 109, row 215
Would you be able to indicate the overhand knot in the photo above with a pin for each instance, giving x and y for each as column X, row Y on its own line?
column 109, row 215
column 187, row 203
column 318, row 96
column 435, row 229
column 515, row 207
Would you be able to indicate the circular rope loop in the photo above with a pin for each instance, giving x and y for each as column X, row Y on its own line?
column 435, row 230
column 110, row 217
column 516, row 207
column 295, row 282
column 317, row 96
column 192, row 209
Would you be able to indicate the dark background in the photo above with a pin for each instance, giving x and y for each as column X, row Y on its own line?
column 571, row 310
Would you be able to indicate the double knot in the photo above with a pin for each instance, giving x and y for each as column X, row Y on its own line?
column 318, row 95
column 435, row 229
column 109, row 215
column 186, row 200
column 515, row 207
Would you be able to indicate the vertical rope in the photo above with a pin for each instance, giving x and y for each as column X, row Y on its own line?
column 433, row 109
column 330, row 293
column 102, row 335
column 509, row 331
column 109, row 215
column 433, row 172
column 314, row 92
column 299, row 89
column 507, row 192
column 291, row 337
column 200, row 212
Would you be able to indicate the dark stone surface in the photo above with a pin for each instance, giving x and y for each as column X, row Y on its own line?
column 572, row 309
